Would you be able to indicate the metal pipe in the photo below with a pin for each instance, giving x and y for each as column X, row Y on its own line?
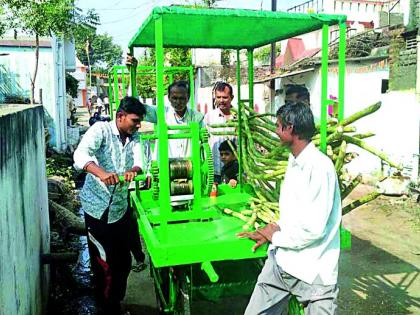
column 207, row 267
column 324, row 88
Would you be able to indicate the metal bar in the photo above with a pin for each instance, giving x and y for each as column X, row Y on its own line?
column 123, row 86
column 179, row 127
column 110, row 94
column 341, row 70
column 192, row 88
column 324, row 88
column 164, row 193
column 210, row 272
column 196, row 164
column 251, row 77
column 116, row 90
column 238, row 82
column 183, row 135
column 133, row 71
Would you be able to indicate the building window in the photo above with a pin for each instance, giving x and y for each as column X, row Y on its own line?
column 384, row 86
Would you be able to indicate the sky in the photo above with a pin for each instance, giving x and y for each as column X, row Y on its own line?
column 122, row 18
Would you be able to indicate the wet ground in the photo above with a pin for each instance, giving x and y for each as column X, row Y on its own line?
column 379, row 275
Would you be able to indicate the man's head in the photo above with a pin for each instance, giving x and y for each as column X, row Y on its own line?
column 226, row 152
column 297, row 93
column 179, row 95
column 223, row 94
column 129, row 115
column 295, row 121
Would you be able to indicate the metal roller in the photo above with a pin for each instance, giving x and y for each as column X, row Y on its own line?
column 182, row 188
column 180, row 169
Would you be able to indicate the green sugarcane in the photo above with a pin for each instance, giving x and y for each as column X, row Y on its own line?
column 225, row 125
column 339, row 162
column 368, row 148
column 364, row 112
column 223, row 133
column 350, row 187
column 357, row 203
column 250, row 223
column 363, row 135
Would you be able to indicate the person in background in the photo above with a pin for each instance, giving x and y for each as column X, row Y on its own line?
column 107, row 150
column 89, row 106
column 221, row 114
column 305, row 243
column 99, row 104
column 230, row 169
column 106, row 105
column 297, row 93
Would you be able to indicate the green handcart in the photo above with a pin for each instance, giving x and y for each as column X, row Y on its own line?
column 192, row 245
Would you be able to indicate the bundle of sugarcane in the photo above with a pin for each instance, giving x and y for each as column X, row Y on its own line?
column 265, row 160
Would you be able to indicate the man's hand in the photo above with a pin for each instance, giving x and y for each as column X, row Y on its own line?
column 233, row 183
column 268, row 231
column 129, row 176
column 255, row 236
column 109, row 178
column 131, row 61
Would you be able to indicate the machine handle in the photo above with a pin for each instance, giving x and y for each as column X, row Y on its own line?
column 209, row 270
column 138, row 178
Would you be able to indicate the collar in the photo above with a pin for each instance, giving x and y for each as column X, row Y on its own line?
column 116, row 132
column 114, row 128
column 221, row 114
column 171, row 110
column 304, row 156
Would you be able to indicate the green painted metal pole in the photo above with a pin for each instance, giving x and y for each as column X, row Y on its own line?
column 196, row 163
column 251, row 77
column 238, row 82
column 133, row 72
column 324, row 88
column 341, row 70
column 164, row 193
column 110, row 94
column 192, row 88
column 116, row 89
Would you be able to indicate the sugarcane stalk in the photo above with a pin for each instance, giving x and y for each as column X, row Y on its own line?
column 339, row 162
column 364, row 112
column 235, row 214
column 250, row 223
column 363, row 135
column 361, row 201
column 225, row 125
column 223, row 133
column 349, row 188
column 374, row 151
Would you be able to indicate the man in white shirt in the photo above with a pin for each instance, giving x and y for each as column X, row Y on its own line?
column 178, row 113
column 305, row 242
column 109, row 149
column 223, row 95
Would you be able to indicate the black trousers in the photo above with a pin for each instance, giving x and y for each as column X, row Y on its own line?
column 110, row 259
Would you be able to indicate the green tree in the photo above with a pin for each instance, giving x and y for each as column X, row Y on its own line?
column 44, row 18
column 262, row 54
column 103, row 53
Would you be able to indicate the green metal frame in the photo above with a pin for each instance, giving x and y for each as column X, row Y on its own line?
column 201, row 233
column 118, row 72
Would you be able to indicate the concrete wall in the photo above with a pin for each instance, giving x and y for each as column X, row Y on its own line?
column 24, row 224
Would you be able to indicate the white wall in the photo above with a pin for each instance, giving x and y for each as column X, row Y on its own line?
column 396, row 123
column 50, row 78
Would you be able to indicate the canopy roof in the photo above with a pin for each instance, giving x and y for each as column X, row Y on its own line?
column 226, row 28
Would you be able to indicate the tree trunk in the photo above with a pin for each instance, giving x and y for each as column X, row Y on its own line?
column 71, row 222
column 36, row 69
